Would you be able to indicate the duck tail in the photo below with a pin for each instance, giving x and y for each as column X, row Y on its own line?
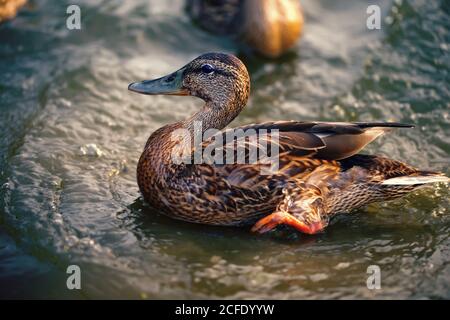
column 418, row 178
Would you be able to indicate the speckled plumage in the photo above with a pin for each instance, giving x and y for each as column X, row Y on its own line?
column 320, row 173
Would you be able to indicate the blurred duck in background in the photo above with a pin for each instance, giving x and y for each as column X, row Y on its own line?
column 9, row 8
column 270, row 27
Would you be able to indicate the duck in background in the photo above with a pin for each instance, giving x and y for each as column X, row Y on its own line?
column 270, row 27
column 9, row 8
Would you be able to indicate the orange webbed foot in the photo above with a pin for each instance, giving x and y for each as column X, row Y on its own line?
column 280, row 217
column 269, row 222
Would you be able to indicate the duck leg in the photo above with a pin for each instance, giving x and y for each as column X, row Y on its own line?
column 302, row 208
column 304, row 204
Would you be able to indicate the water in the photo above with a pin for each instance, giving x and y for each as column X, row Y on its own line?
column 62, row 90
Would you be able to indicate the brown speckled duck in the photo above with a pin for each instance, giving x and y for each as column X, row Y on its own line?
column 320, row 173
column 270, row 27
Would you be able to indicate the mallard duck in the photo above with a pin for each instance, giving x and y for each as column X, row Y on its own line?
column 319, row 174
column 270, row 27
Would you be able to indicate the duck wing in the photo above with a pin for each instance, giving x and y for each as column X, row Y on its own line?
column 302, row 146
column 329, row 140
column 318, row 140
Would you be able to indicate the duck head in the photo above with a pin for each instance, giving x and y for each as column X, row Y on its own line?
column 221, row 80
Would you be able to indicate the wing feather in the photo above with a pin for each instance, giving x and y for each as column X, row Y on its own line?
column 303, row 146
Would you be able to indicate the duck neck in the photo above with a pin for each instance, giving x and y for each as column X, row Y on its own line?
column 215, row 115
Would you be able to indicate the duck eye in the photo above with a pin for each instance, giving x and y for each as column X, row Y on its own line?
column 207, row 68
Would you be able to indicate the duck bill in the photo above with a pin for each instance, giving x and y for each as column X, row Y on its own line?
column 171, row 84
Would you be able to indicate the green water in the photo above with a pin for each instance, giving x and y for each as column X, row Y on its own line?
column 61, row 90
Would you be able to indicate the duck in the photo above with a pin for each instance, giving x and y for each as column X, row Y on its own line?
column 9, row 9
column 269, row 27
column 315, row 172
